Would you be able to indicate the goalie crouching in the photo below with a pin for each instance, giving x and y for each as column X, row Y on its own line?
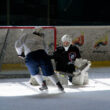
column 69, row 62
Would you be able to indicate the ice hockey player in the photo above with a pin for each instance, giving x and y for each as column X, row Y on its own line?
column 30, row 47
column 68, row 61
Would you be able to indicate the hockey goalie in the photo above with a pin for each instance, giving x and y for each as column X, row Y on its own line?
column 69, row 62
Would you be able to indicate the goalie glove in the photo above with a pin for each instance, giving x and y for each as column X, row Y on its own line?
column 82, row 65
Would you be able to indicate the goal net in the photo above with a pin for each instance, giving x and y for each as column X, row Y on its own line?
column 8, row 36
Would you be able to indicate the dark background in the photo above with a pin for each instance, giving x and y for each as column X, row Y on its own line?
column 54, row 12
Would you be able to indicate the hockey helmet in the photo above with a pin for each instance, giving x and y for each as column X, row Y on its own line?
column 66, row 37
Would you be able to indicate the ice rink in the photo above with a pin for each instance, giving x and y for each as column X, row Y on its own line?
column 18, row 94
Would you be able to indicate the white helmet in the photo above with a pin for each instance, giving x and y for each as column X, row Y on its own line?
column 66, row 37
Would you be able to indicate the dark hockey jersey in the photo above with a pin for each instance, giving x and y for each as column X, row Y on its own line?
column 64, row 60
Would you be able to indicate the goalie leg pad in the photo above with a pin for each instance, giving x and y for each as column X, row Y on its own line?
column 81, row 79
column 86, row 80
column 78, row 80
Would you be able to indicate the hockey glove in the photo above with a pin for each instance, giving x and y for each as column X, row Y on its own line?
column 82, row 65
column 22, row 56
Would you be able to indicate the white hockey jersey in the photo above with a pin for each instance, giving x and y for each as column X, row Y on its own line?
column 28, row 42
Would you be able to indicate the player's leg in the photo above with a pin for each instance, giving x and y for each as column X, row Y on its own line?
column 56, row 81
column 33, row 67
column 41, row 82
column 47, row 70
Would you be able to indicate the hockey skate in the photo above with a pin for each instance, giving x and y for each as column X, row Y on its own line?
column 60, row 87
column 44, row 86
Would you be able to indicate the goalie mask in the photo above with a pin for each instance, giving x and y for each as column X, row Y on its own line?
column 66, row 41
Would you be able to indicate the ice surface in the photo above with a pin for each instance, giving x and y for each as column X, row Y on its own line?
column 18, row 94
